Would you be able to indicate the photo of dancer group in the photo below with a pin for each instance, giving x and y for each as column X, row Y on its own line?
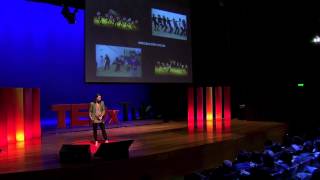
column 115, row 20
column 171, row 67
column 169, row 24
column 115, row 61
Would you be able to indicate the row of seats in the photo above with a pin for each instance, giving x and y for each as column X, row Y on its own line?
column 297, row 157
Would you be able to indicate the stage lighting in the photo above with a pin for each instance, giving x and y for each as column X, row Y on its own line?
column 300, row 85
column 316, row 40
column 71, row 17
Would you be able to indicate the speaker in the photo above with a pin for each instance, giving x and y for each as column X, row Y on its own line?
column 74, row 153
column 114, row 150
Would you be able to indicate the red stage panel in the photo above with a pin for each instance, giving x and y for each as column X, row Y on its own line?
column 3, row 119
column 227, row 108
column 209, row 104
column 209, row 109
column 200, row 108
column 190, row 109
column 218, row 92
column 20, row 114
column 3, row 129
column 10, row 110
column 218, row 103
column 218, row 124
column 27, row 100
column 36, row 132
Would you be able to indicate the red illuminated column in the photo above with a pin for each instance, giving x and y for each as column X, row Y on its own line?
column 3, row 119
column 209, row 109
column 36, row 132
column 19, row 115
column 10, row 109
column 218, row 95
column 227, row 108
column 27, row 104
column 190, row 109
column 200, row 108
column 31, row 104
column 218, row 103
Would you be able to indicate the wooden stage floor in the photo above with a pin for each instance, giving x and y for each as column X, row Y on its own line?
column 159, row 151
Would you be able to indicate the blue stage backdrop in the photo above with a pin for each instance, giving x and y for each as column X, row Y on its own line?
column 38, row 48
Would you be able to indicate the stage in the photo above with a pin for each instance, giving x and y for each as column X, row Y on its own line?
column 159, row 151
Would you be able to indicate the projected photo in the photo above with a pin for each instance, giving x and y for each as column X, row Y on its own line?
column 169, row 24
column 171, row 67
column 115, row 61
column 113, row 19
column 138, row 41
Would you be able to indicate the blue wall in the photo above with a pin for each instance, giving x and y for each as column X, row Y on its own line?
column 38, row 48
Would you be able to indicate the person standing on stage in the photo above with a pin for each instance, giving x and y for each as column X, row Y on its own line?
column 97, row 112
